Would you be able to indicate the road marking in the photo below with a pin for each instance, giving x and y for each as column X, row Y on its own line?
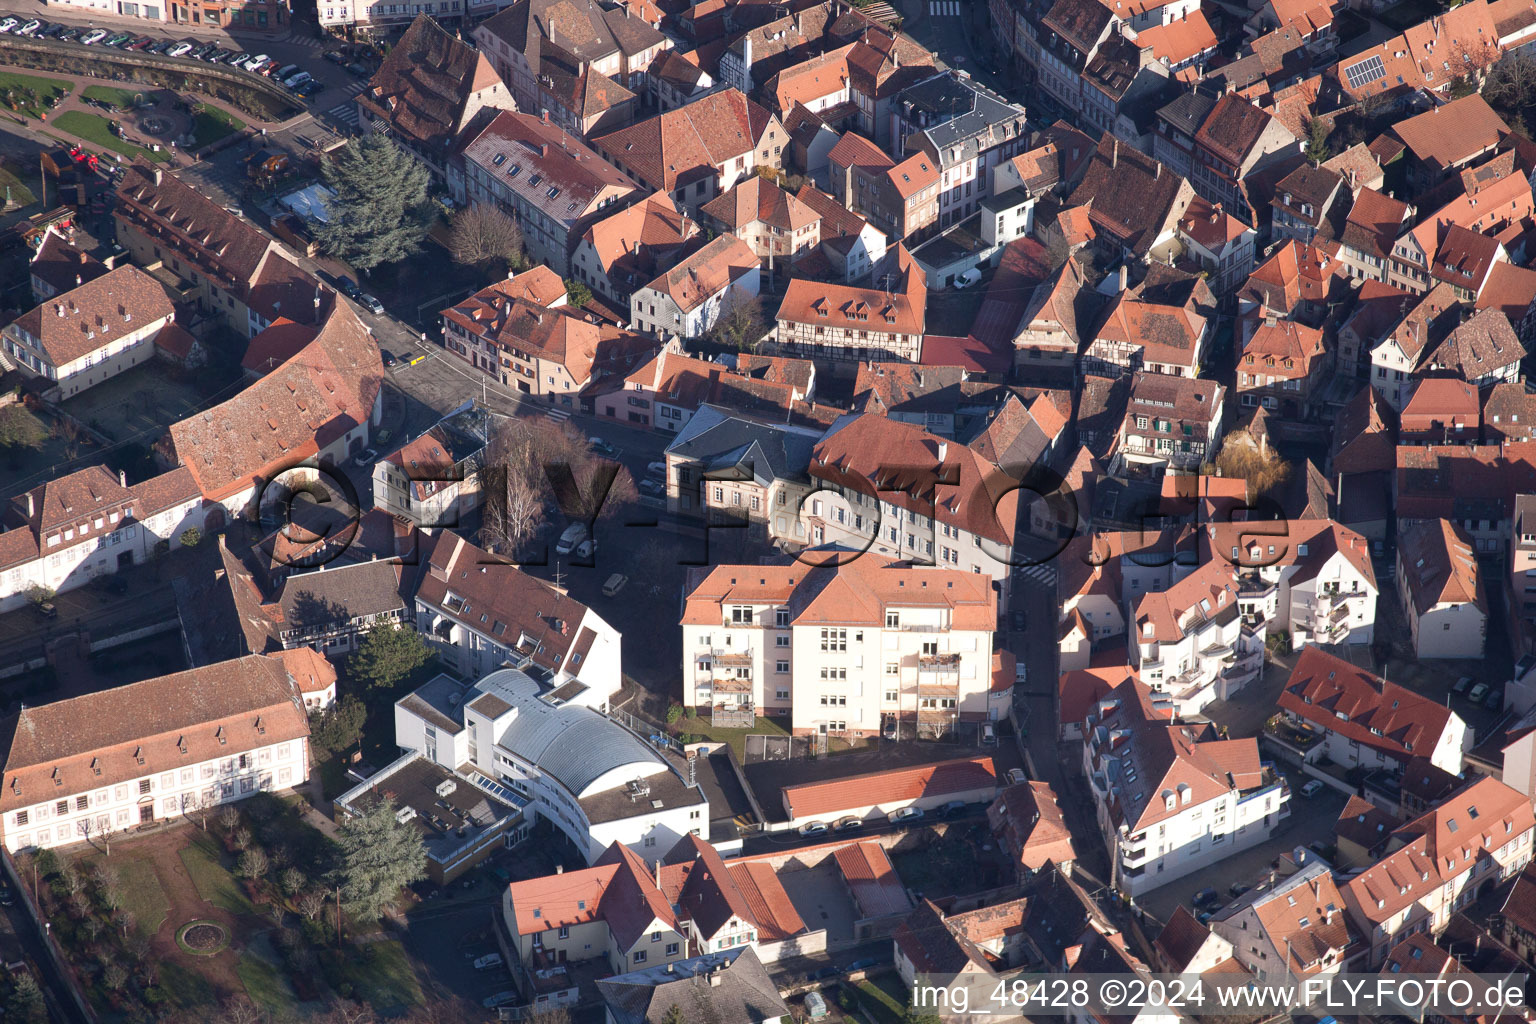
column 944, row 8
column 346, row 113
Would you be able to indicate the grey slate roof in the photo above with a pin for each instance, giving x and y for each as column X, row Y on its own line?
column 720, row 441
column 729, row 986
column 956, row 112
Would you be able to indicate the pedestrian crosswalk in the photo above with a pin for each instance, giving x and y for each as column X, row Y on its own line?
column 943, row 8
column 1043, row 573
column 346, row 113
column 558, row 415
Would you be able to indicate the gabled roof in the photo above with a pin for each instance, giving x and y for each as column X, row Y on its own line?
column 101, row 312
column 1029, row 818
column 220, row 243
column 756, row 200
column 1336, row 696
column 1163, row 334
column 1233, row 128
column 1448, row 135
column 1439, row 565
column 61, row 265
column 707, row 273
column 686, row 144
column 1296, row 273
column 1374, row 223
column 546, row 167
column 1130, row 195
column 502, row 320
column 1482, row 346
column 425, row 88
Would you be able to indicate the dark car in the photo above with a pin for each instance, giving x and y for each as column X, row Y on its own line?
column 652, row 488
column 952, row 809
column 216, row 56
column 824, row 973
column 309, row 88
column 160, row 46
column 1018, row 619
column 348, row 287
column 52, row 31
column 1206, row 897
column 388, row 357
column 69, row 35
column 359, row 69
column 335, row 56
column 141, row 43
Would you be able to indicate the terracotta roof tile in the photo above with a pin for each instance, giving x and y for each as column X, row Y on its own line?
column 892, row 787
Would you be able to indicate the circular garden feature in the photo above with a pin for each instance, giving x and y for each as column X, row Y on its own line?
column 202, row 938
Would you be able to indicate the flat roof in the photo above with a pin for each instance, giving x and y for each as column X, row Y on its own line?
column 449, row 810
column 440, row 701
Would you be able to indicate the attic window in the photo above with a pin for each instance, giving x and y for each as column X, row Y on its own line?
column 1451, row 825
column 1472, row 813
column 514, row 170
column 57, row 781
column 534, row 179
column 498, row 159
column 138, row 754
column 261, row 730
column 95, row 766
column 221, row 737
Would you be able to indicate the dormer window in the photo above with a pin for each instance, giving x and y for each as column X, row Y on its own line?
column 219, row 735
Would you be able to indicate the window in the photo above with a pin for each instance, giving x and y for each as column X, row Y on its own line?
column 892, row 620
column 655, row 936
column 640, row 956
column 61, row 808
column 671, row 949
column 834, row 639
column 781, row 666
column 82, row 802
column 21, row 817
column 565, row 931
column 781, row 617
column 143, row 786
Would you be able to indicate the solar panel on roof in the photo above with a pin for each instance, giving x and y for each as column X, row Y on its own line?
column 1365, row 72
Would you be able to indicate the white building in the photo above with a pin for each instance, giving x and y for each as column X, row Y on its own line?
column 1173, row 799
column 89, row 524
column 91, row 333
column 482, row 613
column 688, row 299
column 1189, row 642
column 1369, row 722
column 842, row 650
column 434, row 480
column 1309, row 579
column 151, row 752
column 593, row 779
column 1441, row 588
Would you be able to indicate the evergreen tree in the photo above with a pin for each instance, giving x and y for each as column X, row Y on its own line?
column 26, row 1003
column 380, row 212
column 387, row 655
column 379, row 857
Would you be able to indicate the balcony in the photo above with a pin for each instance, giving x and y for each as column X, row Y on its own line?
column 1253, row 587
column 943, row 663
column 727, row 684
column 730, row 656
column 729, row 715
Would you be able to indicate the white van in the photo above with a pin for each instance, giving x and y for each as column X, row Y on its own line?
column 967, row 279
column 571, row 538
column 988, row 735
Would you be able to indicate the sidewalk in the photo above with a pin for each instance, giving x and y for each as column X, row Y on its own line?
column 147, row 26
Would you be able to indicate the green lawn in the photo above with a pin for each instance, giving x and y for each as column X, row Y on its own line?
column 387, row 983
column 14, row 87
column 122, row 99
column 737, row 738
column 884, row 998
column 266, row 986
column 142, row 895
column 210, row 124
column 184, row 987
column 214, row 883
column 17, row 190
column 93, row 129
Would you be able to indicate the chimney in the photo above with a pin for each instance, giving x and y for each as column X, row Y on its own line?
column 658, row 875
column 1114, row 154
column 1125, row 274
column 559, row 869
column 714, row 977
column 122, row 479
column 943, row 450
column 1157, row 169
column 31, row 505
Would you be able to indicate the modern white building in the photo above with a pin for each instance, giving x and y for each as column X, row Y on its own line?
column 1173, row 799
column 1309, row 579
column 848, row 650
column 589, row 776
column 1189, row 642
column 151, row 752
column 481, row 613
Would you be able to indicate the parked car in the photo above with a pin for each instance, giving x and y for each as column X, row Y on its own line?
column 656, row 468
column 1460, row 685
column 388, row 357
column 863, row 965
column 117, row 39
column 8, row 25
column 602, row 447
column 1206, row 897
column 348, row 287
column 29, row 28
column 160, row 46
column 1311, row 789
column 1204, row 917
column 904, row 814
column 988, row 735
column 1494, row 700
column 488, row 961
column 1016, row 776
column 1018, row 620
column 257, row 61
column 140, row 44
column 199, row 52
column 952, row 809
column 1237, row 889
column 829, row 971
column 92, row 37
column 217, row 56
column 335, row 56
column 285, row 72
column 813, row 828
column 652, row 488
column 294, row 81
column 366, row 457
column 48, row 610
column 370, row 303
column 614, row 584
column 179, row 50
column 360, row 70
column 572, row 538
column 1478, row 693
column 500, row 999
column 69, row 35
column 309, row 88
column 968, row 278
column 236, row 60
column 53, row 31
column 852, row 823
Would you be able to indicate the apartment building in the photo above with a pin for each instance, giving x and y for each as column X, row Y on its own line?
column 732, row 469
column 966, row 131
column 699, row 150
column 1171, row 798
column 157, row 751
column 1396, row 360
column 1189, row 642
column 1439, row 863
column 1057, row 321
column 1311, row 580
column 1218, row 243
column 1522, row 561
column 831, row 321
column 778, row 227
column 542, row 742
column 688, row 299
column 630, row 246
column 64, row 533
column 1137, row 335
column 846, row 650
column 1293, row 930
column 1280, row 365
column 1237, row 139
column 435, row 479
column 1368, row 722
column 1171, row 421
column 550, row 181
column 1441, row 587
column 894, row 490
column 481, row 612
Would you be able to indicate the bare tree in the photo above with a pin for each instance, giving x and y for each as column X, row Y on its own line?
column 1511, row 88
column 741, row 324
column 535, row 466
column 239, row 1010
column 310, row 903
column 481, row 235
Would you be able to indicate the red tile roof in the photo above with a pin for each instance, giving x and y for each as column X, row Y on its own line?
column 275, row 345
column 71, row 325
column 688, row 143
column 892, row 788
column 1336, row 696
column 877, row 889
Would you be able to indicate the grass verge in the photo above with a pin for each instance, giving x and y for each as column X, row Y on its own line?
column 122, row 99
column 93, row 129
column 17, row 190
column 884, row 999
column 385, row 980
column 737, row 738
column 143, row 895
